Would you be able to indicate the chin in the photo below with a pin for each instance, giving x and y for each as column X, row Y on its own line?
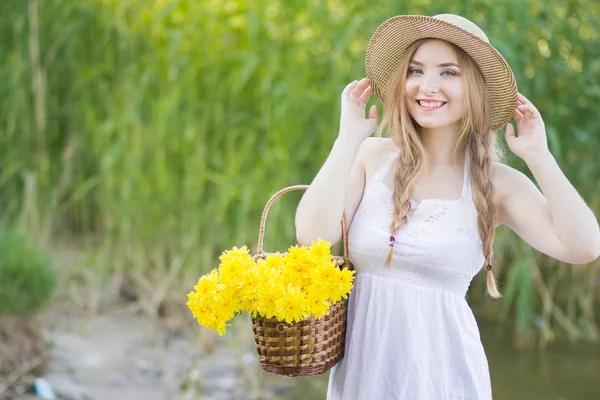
column 434, row 124
column 430, row 124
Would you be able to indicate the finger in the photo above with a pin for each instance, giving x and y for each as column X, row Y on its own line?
column 517, row 116
column 528, row 108
column 349, row 88
column 524, row 99
column 373, row 115
column 359, row 88
column 509, row 133
column 525, row 102
column 364, row 97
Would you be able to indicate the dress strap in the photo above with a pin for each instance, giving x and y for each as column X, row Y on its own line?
column 466, row 189
column 385, row 169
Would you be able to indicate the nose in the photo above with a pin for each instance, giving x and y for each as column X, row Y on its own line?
column 430, row 83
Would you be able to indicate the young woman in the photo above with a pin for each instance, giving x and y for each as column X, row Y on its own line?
column 423, row 204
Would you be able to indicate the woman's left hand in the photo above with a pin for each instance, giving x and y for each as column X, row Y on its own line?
column 531, row 140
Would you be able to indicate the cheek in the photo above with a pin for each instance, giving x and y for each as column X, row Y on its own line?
column 456, row 90
column 411, row 87
column 459, row 99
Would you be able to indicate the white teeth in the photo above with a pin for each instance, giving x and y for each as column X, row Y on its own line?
column 436, row 104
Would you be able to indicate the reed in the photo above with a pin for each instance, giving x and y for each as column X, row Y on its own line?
column 154, row 131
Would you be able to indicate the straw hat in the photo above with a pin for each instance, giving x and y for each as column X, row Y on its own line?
column 392, row 38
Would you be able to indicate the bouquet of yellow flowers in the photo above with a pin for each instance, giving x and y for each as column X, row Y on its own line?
column 296, row 299
column 290, row 287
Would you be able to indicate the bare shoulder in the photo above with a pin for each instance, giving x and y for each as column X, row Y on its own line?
column 374, row 145
column 507, row 181
column 374, row 152
column 505, row 177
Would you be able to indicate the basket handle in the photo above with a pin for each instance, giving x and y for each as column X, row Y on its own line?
column 263, row 220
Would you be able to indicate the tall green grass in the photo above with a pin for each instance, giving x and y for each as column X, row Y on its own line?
column 27, row 274
column 155, row 131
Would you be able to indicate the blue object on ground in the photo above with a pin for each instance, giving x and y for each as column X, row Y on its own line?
column 43, row 389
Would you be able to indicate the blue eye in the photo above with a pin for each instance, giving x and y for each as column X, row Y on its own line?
column 417, row 70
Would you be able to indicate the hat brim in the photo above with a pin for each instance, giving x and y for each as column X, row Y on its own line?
column 395, row 35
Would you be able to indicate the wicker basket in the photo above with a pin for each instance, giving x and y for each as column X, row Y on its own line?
column 308, row 347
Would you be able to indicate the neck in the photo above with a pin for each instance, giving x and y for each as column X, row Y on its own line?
column 439, row 144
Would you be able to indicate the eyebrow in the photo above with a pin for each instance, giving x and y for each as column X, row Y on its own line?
column 439, row 65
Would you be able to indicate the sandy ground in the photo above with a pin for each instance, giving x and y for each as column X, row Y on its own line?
column 119, row 353
column 117, row 356
column 123, row 355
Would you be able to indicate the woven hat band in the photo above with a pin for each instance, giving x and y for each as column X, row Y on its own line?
column 464, row 24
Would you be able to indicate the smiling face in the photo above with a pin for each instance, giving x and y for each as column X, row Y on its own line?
column 434, row 86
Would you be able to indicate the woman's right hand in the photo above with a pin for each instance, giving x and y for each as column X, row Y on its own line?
column 353, row 124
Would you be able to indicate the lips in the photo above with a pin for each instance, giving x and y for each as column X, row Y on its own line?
column 430, row 105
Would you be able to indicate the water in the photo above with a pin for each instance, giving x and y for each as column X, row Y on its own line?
column 561, row 372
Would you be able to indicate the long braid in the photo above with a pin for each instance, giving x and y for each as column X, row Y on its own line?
column 404, row 179
column 412, row 153
column 481, row 147
column 474, row 137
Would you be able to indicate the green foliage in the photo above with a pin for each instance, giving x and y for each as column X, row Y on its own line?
column 27, row 277
column 162, row 127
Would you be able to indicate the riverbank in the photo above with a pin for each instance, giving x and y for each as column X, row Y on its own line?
column 121, row 354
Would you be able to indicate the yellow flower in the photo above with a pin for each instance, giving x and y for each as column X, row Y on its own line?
column 234, row 262
column 247, row 284
column 211, row 311
column 292, row 305
column 290, row 287
column 318, row 304
column 275, row 262
column 209, row 282
column 268, row 292
column 321, row 250
column 341, row 285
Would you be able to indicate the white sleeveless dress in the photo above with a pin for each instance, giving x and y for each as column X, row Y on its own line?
column 410, row 333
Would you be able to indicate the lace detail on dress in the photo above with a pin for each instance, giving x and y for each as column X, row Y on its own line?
column 419, row 234
column 466, row 231
column 432, row 220
column 433, row 213
column 429, row 219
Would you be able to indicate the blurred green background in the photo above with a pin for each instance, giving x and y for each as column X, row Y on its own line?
column 147, row 135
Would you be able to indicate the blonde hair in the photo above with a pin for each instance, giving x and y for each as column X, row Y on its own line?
column 475, row 137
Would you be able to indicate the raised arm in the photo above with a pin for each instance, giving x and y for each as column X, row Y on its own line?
column 338, row 186
column 555, row 221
